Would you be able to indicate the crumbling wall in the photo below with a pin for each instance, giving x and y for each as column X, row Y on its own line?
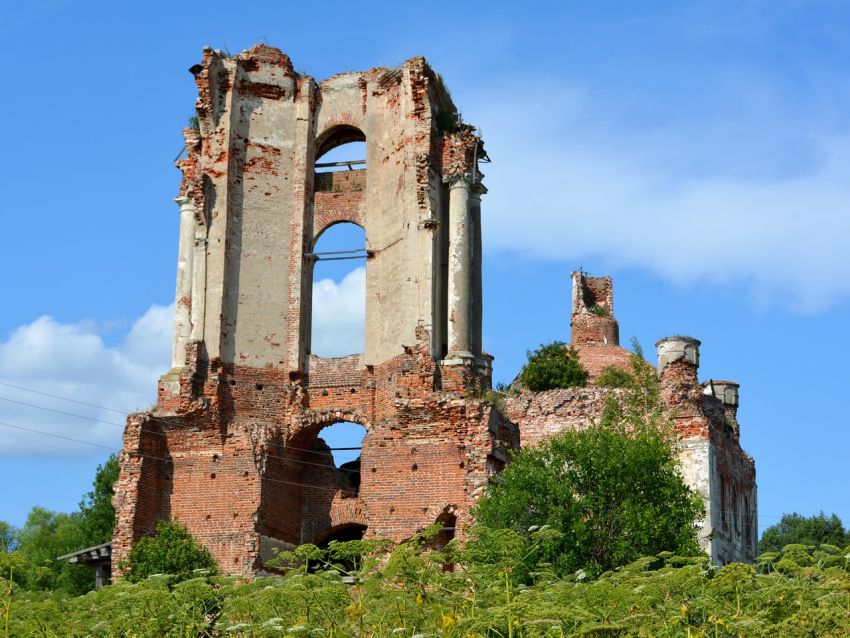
column 245, row 476
column 540, row 415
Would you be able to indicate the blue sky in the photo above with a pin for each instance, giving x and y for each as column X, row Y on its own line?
column 699, row 152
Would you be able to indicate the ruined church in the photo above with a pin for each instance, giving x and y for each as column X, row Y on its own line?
column 233, row 447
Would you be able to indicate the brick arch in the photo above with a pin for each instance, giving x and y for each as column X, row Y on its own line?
column 316, row 421
column 324, row 219
column 342, row 514
column 337, row 132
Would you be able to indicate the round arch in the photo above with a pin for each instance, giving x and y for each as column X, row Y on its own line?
column 337, row 135
column 345, row 216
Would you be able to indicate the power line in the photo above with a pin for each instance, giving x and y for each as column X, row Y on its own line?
column 120, row 425
column 80, row 416
column 266, row 478
column 158, row 458
column 56, row 436
column 55, row 396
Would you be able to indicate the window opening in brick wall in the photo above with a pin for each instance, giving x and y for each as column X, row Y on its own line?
column 339, row 293
column 447, row 522
column 346, row 157
column 339, row 439
column 353, row 532
column 312, row 483
column 341, row 148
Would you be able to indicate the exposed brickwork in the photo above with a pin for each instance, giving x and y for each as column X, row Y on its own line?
column 338, row 198
column 257, row 473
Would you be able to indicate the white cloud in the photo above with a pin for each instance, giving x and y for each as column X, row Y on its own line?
column 73, row 361
column 562, row 187
column 339, row 312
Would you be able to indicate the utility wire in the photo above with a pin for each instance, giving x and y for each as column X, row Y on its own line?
column 158, row 458
column 56, row 396
column 55, row 436
column 265, row 478
column 80, row 416
column 121, row 425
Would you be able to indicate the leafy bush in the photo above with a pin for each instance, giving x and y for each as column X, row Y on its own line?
column 613, row 491
column 551, row 366
column 613, row 377
column 172, row 550
column 612, row 496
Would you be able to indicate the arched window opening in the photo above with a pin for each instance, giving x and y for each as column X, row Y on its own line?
column 343, row 441
column 345, row 157
column 339, row 292
column 310, row 483
column 353, row 532
column 342, row 534
column 341, row 162
column 341, row 148
column 446, row 533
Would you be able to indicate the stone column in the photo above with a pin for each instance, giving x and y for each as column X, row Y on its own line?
column 183, row 297
column 477, row 292
column 460, row 269
column 199, row 285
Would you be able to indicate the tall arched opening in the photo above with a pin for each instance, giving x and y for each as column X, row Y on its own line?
column 311, row 487
column 338, row 246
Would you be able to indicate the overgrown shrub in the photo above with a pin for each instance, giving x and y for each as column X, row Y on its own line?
column 551, row 366
column 494, row 591
column 171, row 550
column 613, row 496
column 613, row 377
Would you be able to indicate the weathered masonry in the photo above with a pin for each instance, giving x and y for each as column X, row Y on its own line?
column 233, row 447
column 704, row 417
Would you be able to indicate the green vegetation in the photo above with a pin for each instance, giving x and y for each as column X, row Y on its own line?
column 30, row 553
column 612, row 377
column 599, row 311
column 796, row 529
column 551, row 366
column 610, row 497
column 448, row 121
column 172, row 550
column 610, row 493
column 498, row 588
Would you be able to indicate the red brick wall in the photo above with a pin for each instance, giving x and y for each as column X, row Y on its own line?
column 243, row 443
column 338, row 198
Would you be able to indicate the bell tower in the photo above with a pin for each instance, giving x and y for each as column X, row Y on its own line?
column 233, row 447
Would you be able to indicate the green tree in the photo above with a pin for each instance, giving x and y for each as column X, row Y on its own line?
column 45, row 536
column 797, row 529
column 614, row 491
column 613, row 377
column 613, row 496
column 96, row 510
column 171, row 550
column 8, row 537
column 551, row 366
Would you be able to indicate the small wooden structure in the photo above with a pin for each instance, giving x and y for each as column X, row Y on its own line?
column 98, row 557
